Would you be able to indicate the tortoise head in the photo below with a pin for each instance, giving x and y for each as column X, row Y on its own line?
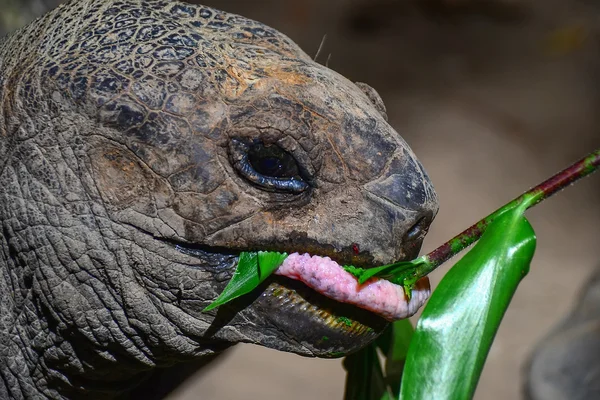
column 202, row 134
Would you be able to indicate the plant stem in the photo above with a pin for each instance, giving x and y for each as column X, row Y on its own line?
column 561, row 180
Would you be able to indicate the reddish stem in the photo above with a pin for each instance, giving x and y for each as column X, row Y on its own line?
column 561, row 180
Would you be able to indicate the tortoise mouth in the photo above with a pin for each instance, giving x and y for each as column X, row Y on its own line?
column 333, row 329
column 327, row 328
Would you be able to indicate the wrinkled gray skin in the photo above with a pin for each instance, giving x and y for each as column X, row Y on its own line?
column 125, row 197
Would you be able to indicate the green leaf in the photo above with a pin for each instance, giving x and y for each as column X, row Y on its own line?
column 457, row 327
column 394, row 343
column 396, row 357
column 252, row 270
column 268, row 262
column 364, row 380
column 356, row 271
column 396, row 272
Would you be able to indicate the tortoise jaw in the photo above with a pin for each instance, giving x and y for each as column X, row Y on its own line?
column 328, row 328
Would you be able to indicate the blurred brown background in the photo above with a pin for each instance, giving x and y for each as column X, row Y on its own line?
column 493, row 96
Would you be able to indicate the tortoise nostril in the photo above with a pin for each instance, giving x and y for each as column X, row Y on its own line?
column 413, row 238
column 418, row 230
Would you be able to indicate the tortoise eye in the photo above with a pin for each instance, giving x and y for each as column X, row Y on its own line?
column 272, row 161
column 267, row 166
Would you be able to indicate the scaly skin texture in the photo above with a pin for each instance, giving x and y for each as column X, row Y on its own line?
column 124, row 127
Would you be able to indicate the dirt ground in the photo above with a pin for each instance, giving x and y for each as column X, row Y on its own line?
column 493, row 98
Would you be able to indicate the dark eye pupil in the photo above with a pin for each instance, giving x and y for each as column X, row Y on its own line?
column 269, row 166
column 272, row 161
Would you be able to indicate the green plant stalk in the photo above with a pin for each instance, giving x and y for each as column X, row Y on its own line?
column 561, row 180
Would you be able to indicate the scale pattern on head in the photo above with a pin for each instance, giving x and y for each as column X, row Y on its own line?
column 132, row 127
column 174, row 84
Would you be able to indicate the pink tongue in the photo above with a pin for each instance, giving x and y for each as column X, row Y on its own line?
column 382, row 297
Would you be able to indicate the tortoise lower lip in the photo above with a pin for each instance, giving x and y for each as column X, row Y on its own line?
column 333, row 329
column 329, row 310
